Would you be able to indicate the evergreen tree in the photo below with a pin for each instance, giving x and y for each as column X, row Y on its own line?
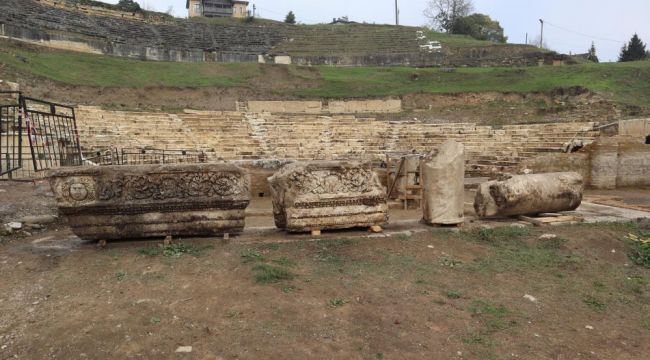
column 291, row 18
column 634, row 51
column 592, row 53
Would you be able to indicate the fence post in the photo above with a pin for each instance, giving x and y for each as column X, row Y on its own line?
column 10, row 173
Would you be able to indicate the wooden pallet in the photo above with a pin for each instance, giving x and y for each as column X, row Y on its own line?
column 551, row 219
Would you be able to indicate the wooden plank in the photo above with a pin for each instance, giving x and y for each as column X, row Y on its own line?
column 543, row 221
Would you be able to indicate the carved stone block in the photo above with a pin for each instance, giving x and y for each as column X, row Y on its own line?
column 125, row 202
column 327, row 195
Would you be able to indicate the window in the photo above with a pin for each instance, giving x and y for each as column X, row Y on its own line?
column 647, row 139
column 197, row 8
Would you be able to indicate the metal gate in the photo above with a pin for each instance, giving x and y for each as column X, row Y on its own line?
column 52, row 133
column 11, row 132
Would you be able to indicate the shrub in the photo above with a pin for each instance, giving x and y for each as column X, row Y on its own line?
column 640, row 248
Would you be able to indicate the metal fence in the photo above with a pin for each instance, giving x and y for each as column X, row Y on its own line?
column 137, row 156
column 52, row 133
column 11, row 132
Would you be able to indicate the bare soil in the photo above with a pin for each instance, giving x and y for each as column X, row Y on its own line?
column 421, row 294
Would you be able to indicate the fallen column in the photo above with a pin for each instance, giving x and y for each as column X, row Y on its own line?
column 126, row 202
column 443, row 182
column 326, row 195
column 529, row 195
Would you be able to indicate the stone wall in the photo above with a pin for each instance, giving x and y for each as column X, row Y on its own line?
column 611, row 162
column 317, row 107
column 254, row 136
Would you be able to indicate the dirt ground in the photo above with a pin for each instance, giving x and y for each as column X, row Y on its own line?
column 411, row 293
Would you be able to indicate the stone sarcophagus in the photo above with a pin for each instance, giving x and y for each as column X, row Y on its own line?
column 326, row 195
column 126, row 202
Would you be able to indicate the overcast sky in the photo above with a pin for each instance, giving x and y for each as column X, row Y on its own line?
column 571, row 24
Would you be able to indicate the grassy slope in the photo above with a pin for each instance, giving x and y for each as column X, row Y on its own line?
column 628, row 83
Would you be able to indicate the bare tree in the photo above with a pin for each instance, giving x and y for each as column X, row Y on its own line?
column 537, row 41
column 442, row 14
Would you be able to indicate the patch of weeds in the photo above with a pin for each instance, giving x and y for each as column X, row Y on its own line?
column 155, row 320
column 421, row 282
column 454, row 294
column 493, row 317
column 599, row 285
column 288, row 289
column 477, row 339
column 175, row 250
column 450, row 262
column 231, row 314
column 552, row 244
column 121, row 276
column 269, row 274
column 425, row 292
column 635, row 284
column 270, row 246
column 337, row 303
column 404, row 237
column 250, row 256
column 640, row 248
column 283, row 261
column 594, row 303
column 496, row 235
column 508, row 258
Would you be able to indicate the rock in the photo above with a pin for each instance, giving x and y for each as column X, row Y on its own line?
column 323, row 195
column 184, row 349
column 130, row 202
column 644, row 223
column 518, row 225
column 39, row 219
column 15, row 225
column 589, row 327
column 443, row 182
column 529, row 194
column 530, row 298
column 34, row 226
column 548, row 237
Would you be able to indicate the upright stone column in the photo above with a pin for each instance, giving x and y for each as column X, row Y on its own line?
column 443, row 182
column 530, row 195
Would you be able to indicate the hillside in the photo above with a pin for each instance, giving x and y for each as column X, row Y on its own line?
column 626, row 83
column 97, row 30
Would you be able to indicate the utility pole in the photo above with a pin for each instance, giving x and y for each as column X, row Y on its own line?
column 526, row 39
column 396, row 14
column 541, row 37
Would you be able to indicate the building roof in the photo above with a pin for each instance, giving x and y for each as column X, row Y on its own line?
column 187, row 3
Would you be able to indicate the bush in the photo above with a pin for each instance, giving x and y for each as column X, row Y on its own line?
column 640, row 248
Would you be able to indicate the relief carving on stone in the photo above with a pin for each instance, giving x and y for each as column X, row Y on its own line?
column 172, row 186
column 332, row 181
column 77, row 190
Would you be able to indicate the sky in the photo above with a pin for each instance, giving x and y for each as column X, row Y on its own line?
column 571, row 25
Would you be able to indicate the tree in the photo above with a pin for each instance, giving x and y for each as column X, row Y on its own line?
column 537, row 42
column 129, row 6
column 291, row 18
column 479, row 26
column 442, row 14
column 634, row 51
column 591, row 55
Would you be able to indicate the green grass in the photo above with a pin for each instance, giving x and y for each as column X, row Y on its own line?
column 174, row 250
column 594, row 303
column 269, row 274
column 628, row 83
